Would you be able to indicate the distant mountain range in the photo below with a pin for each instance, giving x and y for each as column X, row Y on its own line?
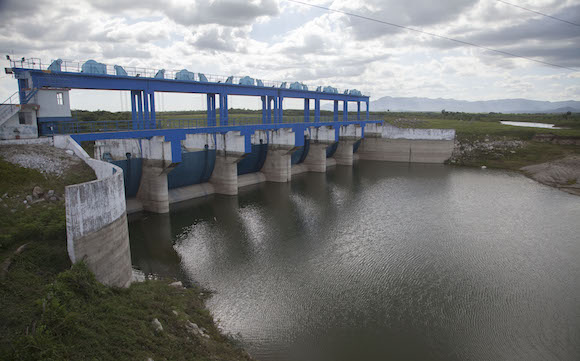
column 451, row 105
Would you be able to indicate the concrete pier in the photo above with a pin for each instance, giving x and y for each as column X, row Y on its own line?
column 344, row 154
column 278, row 165
column 225, row 173
column 281, row 144
column 348, row 135
column 153, row 191
column 316, row 159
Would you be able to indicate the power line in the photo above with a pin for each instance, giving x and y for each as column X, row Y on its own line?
column 539, row 13
column 433, row 34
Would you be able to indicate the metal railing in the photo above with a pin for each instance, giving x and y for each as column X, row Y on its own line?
column 98, row 126
column 73, row 66
column 9, row 107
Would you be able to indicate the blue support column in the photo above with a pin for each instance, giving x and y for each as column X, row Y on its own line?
column 345, row 110
column 152, row 115
column 211, row 110
column 223, row 109
column 145, row 110
column 276, row 110
column 22, row 86
column 357, row 110
column 281, row 109
column 306, row 110
column 208, row 111
column 368, row 111
column 269, row 110
column 134, row 110
column 140, row 109
column 335, row 111
column 317, row 110
column 264, row 117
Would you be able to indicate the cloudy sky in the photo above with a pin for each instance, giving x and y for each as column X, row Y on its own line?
column 281, row 40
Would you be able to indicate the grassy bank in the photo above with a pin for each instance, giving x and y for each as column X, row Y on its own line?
column 481, row 140
column 51, row 311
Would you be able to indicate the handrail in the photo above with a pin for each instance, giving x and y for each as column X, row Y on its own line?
column 9, row 99
column 8, row 107
column 74, row 126
column 72, row 66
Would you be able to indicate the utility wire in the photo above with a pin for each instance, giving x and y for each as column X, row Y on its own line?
column 539, row 13
column 433, row 34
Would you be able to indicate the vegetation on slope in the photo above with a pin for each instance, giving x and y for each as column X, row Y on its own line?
column 51, row 311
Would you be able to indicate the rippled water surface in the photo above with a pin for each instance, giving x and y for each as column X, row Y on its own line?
column 382, row 261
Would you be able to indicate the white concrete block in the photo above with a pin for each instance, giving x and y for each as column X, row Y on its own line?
column 392, row 132
column 231, row 142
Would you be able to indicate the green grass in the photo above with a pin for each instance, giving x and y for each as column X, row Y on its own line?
column 43, row 220
column 79, row 319
column 52, row 312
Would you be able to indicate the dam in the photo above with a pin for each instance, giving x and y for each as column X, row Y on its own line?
column 147, row 164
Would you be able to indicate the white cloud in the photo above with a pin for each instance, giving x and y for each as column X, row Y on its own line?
column 326, row 48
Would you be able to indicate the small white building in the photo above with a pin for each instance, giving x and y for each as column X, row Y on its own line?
column 36, row 117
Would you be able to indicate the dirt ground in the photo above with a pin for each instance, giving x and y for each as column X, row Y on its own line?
column 562, row 173
column 46, row 159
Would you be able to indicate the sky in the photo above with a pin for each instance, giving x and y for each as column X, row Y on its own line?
column 282, row 40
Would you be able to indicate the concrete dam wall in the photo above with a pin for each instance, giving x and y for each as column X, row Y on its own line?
column 408, row 145
column 96, row 220
column 219, row 164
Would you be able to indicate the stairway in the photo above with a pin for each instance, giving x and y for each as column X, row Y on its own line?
column 9, row 107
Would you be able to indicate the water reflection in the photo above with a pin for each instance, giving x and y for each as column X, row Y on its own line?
column 383, row 261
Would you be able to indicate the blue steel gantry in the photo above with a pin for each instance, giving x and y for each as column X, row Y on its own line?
column 143, row 87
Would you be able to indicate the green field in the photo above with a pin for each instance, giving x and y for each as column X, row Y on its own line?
column 466, row 124
column 483, row 125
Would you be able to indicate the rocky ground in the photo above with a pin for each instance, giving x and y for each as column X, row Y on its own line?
column 562, row 173
column 556, row 165
column 45, row 159
column 55, row 168
column 468, row 151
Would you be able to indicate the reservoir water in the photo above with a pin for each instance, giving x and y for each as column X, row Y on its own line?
column 529, row 124
column 382, row 261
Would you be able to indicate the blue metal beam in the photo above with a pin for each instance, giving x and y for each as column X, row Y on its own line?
column 281, row 109
column 140, row 109
column 264, row 114
column 368, row 114
column 111, row 82
column 316, row 110
column 148, row 133
column 145, row 110
column 152, row 115
column 134, row 109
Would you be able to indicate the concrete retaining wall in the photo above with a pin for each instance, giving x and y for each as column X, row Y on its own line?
column 404, row 150
column 392, row 132
column 96, row 220
column 408, row 145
